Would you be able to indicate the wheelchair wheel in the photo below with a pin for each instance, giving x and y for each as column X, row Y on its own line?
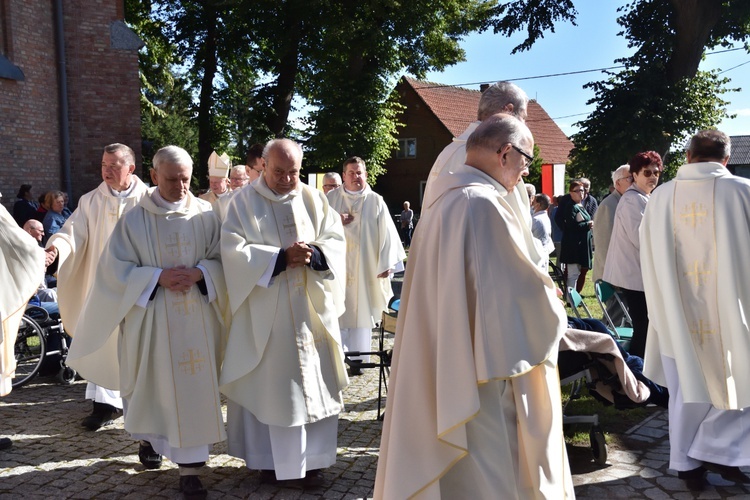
column 598, row 445
column 67, row 375
column 30, row 349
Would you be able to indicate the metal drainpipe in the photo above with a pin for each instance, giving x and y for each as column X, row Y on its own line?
column 62, row 77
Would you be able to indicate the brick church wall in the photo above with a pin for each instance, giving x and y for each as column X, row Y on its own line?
column 103, row 96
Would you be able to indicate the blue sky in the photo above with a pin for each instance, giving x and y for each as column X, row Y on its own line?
column 592, row 44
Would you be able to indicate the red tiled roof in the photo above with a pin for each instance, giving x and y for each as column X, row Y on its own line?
column 456, row 107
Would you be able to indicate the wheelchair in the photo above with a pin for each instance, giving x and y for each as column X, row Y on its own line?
column 41, row 336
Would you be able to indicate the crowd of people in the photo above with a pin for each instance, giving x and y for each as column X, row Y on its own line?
column 266, row 290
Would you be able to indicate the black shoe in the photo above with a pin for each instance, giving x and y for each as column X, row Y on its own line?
column 5, row 443
column 268, row 477
column 728, row 472
column 695, row 479
column 314, row 478
column 102, row 415
column 152, row 460
column 192, row 488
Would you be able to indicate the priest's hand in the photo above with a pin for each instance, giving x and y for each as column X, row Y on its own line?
column 298, row 254
column 180, row 278
column 50, row 254
column 384, row 274
column 346, row 219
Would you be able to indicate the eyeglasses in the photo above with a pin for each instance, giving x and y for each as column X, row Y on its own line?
column 238, row 178
column 528, row 159
column 577, row 190
column 332, row 186
column 628, row 178
column 649, row 173
column 259, row 170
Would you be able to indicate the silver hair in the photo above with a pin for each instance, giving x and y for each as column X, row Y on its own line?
column 499, row 95
column 332, row 175
column 172, row 155
column 497, row 130
column 620, row 172
column 237, row 169
column 282, row 144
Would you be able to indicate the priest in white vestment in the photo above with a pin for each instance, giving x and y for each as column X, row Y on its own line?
column 373, row 253
column 80, row 243
column 218, row 181
column 238, row 179
column 694, row 239
column 160, row 279
column 283, row 252
column 474, row 405
column 501, row 97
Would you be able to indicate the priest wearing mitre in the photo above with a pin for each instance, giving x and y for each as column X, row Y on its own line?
column 160, row 279
column 283, row 247
column 474, row 405
column 218, row 177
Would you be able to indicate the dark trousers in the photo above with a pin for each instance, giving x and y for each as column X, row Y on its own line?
column 639, row 314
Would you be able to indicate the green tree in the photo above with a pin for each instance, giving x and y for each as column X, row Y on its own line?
column 660, row 97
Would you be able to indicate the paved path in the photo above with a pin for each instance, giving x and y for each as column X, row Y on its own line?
column 54, row 457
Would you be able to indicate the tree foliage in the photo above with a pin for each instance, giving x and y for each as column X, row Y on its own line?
column 660, row 97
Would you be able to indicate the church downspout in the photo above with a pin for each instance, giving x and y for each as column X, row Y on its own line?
column 62, row 77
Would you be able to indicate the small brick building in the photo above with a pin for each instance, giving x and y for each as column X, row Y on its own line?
column 434, row 115
column 69, row 85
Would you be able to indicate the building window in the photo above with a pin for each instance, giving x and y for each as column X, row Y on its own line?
column 7, row 68
column 407, row 148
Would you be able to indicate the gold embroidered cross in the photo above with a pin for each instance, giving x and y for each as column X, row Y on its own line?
column 299, row 283
column 186, row 305
column 694, row 214
column 177, row 244
column 701, row 330
column 114, row 213
column 191, row 363
column 696, row 273
column 290, row 227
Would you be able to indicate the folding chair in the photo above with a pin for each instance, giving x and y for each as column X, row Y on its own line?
column 557, row 275
column 576, row 303
column 604, row 291
column 383, row 355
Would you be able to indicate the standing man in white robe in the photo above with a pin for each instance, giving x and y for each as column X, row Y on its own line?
column 501, row 97
column 22, row 264
column 373, row 252
column 238, row 179
column 474, row 405
column 283, row 252
column 80, row 243
column 694, row 239
column 218, row 173
column 160, row 279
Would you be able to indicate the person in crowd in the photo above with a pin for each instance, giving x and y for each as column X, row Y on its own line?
column 21, row 270
column 406, row 220
column 155, row 321
column 54, row 218
column 331, row 181
column 694, row 237
column 500, row 97
column 238, row 179
column 284, row 369
column 576, row 247
column 36, row 230
column 373, row 253
column 42, row 207
column 79, row 246
column 474, row 398
column 255, row 162
column 541, row 226
column 589, row 202
column 218, row 182
column 25, row 207
column 556, row 230
column 623, row 266
column 605, row 218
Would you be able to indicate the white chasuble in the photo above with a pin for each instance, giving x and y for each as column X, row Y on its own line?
column 694, row 239
column 21, row 271
column 373, row 246
column 284, row 361
column 168, row 353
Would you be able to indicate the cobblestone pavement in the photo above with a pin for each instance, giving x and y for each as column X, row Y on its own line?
column 54, row 457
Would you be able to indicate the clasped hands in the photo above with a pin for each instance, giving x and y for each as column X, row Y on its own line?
column 180, row 278
column 299, row 254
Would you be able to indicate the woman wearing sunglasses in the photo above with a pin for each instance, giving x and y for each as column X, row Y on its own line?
column 623, row 266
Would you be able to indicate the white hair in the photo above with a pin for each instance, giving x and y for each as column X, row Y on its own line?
column 620, row 172
column 173, row 155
